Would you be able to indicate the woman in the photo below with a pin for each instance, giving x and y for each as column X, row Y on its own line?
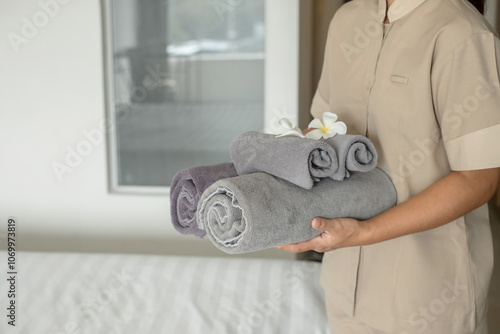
column 420, row 78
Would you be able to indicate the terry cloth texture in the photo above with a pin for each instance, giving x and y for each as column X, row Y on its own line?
column 355, row 154
column 302, row 161
column 297, row 160
column 185, row 192
column 258, row 211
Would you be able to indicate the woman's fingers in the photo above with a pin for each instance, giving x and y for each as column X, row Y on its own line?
column 335, row 233
column 301, row 246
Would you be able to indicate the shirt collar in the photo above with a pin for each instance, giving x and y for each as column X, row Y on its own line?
column 398, row 9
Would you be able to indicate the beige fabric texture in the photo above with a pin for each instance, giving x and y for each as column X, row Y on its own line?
column 425, row 89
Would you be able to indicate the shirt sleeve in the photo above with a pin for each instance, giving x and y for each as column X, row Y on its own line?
column 320, row 102
column 466, row 96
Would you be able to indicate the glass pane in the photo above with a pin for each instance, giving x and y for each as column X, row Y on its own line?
column 188, row 78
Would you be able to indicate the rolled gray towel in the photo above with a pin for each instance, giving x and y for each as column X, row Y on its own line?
column 355, row 153
column 297, row 160
column 258, row 211
column 185, row 192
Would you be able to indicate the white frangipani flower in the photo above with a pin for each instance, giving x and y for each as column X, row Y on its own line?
column 326, row 129
column 290, row 130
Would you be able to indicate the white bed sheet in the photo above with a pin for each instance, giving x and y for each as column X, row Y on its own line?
column 63, row 293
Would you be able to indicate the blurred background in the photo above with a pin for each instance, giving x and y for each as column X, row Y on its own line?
column 104, row 101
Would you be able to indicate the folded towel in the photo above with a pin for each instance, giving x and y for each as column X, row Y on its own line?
column 297, row 160
column 185, row 192
column 355, row 153
column 258, row 211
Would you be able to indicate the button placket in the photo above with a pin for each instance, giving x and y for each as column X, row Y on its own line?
column 372, row 74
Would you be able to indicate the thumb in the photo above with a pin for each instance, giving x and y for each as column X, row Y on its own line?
column 319, row 224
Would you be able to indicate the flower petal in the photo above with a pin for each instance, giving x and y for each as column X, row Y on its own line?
column 315, row 124
column 286, row 123
column 314, row 134
column 329, row 134
column 329, row 119
column 339, row 128
column 294, row 133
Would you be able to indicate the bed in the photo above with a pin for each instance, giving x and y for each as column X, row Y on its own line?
column 107, row 293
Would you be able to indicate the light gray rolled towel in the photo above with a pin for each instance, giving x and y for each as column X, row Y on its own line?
column 185, row 192
column 355, row 154
column 258, row 211
column 297, row 160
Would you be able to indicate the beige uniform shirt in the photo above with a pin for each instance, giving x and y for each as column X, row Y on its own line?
column 428, row 95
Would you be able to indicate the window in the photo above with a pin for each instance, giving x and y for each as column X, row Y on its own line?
column 185, row 77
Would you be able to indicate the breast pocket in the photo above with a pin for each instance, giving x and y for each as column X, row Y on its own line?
column 399, row 79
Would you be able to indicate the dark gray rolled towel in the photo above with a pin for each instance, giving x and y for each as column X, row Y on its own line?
column 258, row 211
column 185, row 192
column 355, row 153
column 297, row 160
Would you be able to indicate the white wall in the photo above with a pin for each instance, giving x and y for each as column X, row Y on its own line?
column 52, row 91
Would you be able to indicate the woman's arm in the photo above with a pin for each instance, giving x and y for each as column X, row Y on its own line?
column 444, row 201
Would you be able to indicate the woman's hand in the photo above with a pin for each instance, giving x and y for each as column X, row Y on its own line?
column 337, row 233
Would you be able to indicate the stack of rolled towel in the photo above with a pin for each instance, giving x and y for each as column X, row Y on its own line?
column 275, row 187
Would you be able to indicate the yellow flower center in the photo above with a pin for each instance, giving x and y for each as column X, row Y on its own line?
column 324, row 129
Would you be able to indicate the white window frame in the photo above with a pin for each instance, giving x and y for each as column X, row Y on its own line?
column 288, row 75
